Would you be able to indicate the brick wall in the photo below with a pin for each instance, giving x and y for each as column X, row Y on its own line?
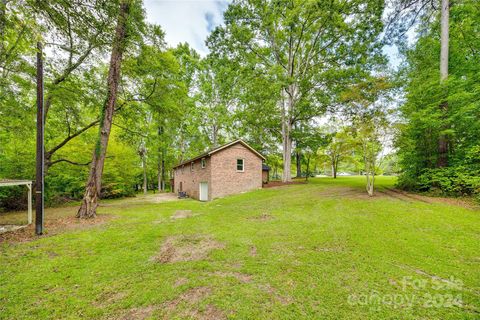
column 221, row 173
column 226, row 180
column 191, row 179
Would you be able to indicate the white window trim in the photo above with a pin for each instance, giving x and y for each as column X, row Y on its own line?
column 243, row 165
column 203, row 163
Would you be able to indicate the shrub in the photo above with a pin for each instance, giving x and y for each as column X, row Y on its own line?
column 13, row 198
column 117, row 190
column 451, row 181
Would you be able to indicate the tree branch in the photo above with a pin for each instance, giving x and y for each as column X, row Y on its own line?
column 51, row 163
column 48, row 155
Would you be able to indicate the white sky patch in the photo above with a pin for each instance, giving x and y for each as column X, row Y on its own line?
column 186, row 20
column 393, row 55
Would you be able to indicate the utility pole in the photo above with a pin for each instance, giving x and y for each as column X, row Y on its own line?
column 39, row 183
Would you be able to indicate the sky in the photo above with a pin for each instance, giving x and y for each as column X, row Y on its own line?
column 186, row 20
column 192, row 21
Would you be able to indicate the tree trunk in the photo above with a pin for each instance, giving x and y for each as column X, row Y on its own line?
column 162, row 171
column 334, row 168
column 370, row 175
column 160, row 159
column 288, row 102
column 298, row 159
column 159, row 173
column 287, row 155
column 144, row 165
column 444, row 39
column 214, row 136
column 370, row 183
column 308, row 169
column 3, row 9
column 88, row 208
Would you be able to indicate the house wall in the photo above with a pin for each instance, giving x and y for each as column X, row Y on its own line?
column 226, row 180
column 265, row 176
column 191, row 179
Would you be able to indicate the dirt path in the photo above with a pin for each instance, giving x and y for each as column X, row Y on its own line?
column 143, row 199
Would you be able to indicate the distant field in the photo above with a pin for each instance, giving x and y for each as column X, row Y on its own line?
column 322, row 250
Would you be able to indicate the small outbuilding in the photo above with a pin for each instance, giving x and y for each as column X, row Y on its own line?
column 265, row 173
column 232, row 168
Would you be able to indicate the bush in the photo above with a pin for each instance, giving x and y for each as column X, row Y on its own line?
column 117, row 190
column 452, row 181
column 13, row 198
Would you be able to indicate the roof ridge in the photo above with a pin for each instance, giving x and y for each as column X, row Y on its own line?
column 226, row 145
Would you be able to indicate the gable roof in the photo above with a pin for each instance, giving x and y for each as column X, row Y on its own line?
column 217, row 149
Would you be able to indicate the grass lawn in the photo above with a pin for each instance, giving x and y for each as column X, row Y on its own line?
column 322, row 250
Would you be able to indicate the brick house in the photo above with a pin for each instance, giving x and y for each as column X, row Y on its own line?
column 232, row 168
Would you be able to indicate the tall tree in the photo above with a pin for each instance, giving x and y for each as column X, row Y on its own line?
column 424, row 121
column 214, row 99
column 89, row 204
column 304, row 48
column 338, row 149
column 407, row 14
column 444, row 37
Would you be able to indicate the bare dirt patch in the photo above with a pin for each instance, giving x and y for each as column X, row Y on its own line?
column 192, row 296
column 465, row 203
column 274, row 184
column 262, row 217
column 272, row 292
column 395, row 195
column 180, row 282
column 253, row 251
column 329, row 249
column 210, row 313
column 53, row 226
column 187, row 248
column 187, row 301
column 241, row 277
column 138, row 313
column 109, row 298
column 181, row 214
column 183, row 306
column 346, row 192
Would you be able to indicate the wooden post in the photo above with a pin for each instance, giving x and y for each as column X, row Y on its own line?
column 39, row 183
column 29, row 186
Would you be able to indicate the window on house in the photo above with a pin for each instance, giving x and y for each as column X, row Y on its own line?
column 204, row 163
column 191, row 166
column 240, row 165
column 183, row 168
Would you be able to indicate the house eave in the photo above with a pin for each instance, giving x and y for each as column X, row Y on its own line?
column 209, row 153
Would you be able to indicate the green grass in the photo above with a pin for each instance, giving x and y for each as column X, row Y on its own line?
column 325, row 246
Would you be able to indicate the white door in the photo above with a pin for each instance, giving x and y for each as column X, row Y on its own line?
column 203, row 191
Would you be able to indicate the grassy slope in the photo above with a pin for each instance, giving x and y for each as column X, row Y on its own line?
column 320, row 248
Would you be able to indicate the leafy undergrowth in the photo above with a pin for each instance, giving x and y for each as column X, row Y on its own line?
column 320, row 250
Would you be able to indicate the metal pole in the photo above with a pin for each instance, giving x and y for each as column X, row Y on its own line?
column 39, row 185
